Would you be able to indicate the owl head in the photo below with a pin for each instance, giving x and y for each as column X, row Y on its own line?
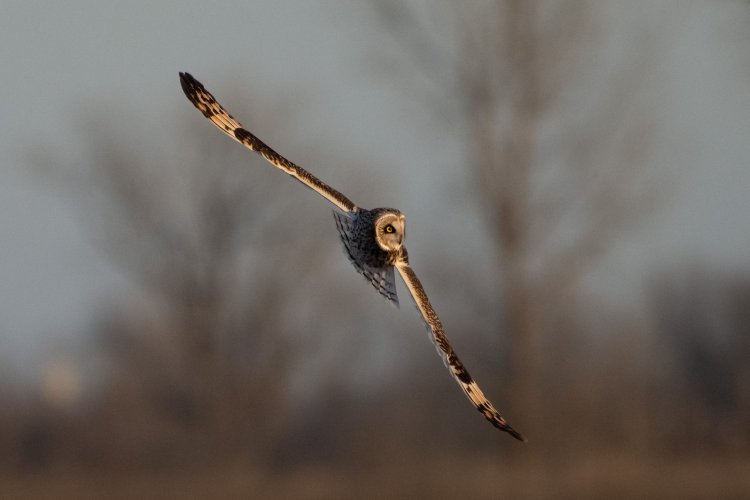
column 390, row 229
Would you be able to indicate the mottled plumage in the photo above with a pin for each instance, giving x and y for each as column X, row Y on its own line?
column 205, row 102
column 357, row 233
column 373, row 241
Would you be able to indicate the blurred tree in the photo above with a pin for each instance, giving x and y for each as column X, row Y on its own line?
column 196, row 234
column 557, row 152
column 703, row 327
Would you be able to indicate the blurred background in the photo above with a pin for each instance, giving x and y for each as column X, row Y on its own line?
column 177, row 318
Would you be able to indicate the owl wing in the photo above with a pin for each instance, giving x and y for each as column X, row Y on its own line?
column 211, row 109
column 382, row 278
column 456, row 368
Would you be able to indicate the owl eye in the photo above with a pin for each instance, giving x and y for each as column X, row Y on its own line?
column 389, row 228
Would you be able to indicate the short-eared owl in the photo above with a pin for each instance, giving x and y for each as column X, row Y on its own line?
column 373, row 241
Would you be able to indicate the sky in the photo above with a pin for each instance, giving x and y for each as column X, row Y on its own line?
column 61, row 60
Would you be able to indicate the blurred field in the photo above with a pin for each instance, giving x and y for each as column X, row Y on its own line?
column 592, row 478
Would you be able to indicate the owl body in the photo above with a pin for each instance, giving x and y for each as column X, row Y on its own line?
column 373, row 242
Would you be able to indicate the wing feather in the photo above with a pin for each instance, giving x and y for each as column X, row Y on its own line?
column 211, row 109
column 446, row 352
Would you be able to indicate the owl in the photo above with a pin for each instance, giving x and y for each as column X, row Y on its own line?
column 373, row 241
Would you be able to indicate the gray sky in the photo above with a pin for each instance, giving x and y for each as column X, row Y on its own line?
column 62, row 59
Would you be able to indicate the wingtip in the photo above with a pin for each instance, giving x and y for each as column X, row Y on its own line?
column 510, row 430
column 520, row 437
column 186, row 79
column 184, row 82
column 503, row 426
column 189, row 85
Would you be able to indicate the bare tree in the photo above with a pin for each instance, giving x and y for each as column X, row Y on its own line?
column 197, row 236
column 703, row 329
column 554, row 201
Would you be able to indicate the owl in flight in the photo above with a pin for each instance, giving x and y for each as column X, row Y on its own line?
column 373, row 241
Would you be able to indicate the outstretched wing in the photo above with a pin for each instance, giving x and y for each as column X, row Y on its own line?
column 211, row 109
column 459, row 373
